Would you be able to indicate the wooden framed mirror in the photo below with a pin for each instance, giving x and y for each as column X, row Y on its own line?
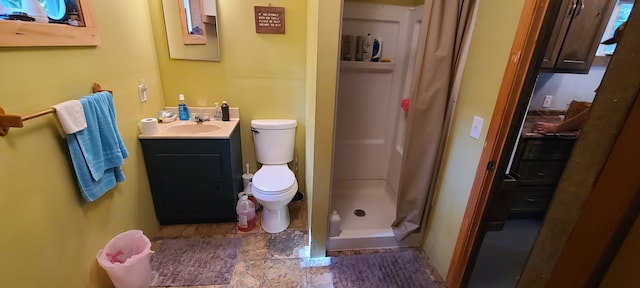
column 71, row 25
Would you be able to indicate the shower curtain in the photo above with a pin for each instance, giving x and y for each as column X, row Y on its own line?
column 443, row 29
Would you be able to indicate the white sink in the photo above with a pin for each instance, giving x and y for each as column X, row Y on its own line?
column 190, row 128
column 193, row 130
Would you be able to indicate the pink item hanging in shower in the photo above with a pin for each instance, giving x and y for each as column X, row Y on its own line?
column 405, row 104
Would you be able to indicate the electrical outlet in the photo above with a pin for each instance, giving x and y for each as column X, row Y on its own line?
column 476, row 127
column 547, row 101
column 142, row 91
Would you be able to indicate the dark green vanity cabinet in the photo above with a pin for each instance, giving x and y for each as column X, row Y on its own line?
column 194, row 180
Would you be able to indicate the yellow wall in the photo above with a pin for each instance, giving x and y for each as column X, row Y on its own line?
column 325, row 21
column 262, row 74
column 48, row 236
column 493, row 34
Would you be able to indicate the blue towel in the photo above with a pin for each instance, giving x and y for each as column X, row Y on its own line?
column 98, row 151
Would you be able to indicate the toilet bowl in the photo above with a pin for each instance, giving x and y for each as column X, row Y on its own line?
column 274, row 186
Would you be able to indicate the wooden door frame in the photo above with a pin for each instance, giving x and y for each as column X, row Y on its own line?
column 516, row 75
column 614, row 98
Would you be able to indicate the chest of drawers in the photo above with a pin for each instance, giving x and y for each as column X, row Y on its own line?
column 536, row 168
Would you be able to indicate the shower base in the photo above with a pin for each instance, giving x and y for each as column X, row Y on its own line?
column 373, row 230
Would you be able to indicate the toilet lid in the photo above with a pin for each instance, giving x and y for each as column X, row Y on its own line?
column 273, row 179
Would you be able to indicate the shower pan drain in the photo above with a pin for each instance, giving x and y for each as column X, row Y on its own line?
column 359, row 212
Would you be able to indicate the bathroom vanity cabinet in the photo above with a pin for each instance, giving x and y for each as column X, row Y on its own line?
column 194, row 180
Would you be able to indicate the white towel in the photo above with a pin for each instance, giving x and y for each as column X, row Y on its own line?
column 71, row 116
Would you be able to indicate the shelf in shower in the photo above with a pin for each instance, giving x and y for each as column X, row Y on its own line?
column 374, row 67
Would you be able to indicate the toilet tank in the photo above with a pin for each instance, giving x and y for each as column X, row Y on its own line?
column 274, row 140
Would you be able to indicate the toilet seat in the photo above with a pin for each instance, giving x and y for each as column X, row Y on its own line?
column 273, row 180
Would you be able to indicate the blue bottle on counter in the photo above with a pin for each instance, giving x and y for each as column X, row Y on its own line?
column 183, row 110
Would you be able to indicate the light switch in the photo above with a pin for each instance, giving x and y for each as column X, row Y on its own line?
column 547, row 101
column 476, row 127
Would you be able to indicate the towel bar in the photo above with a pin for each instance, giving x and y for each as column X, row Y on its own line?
column 7, row 121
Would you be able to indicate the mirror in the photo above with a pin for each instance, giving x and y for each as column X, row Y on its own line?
column 192, row 29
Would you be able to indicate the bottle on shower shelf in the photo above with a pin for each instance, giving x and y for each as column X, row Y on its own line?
column 367, row 48
column 377, row 49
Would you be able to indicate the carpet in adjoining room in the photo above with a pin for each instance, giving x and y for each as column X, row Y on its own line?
column 193, row 262
column 388, row 270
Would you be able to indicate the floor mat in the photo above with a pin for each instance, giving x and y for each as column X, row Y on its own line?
column 396, row 269
column 193, row 262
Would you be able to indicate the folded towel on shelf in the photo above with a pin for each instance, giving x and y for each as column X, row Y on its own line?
column 98, row 151
column 70, row 114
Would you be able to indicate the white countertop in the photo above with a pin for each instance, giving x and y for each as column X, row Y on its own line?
column 167, row 130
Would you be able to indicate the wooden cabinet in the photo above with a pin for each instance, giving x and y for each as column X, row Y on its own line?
column 526, row 191
column 576, row 35
column 537, row 167
column 194, row 180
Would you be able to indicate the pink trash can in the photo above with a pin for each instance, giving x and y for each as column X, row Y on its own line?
column 127, row 260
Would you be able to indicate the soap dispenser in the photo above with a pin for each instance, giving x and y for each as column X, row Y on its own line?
column 217, row 112
column 183, row 111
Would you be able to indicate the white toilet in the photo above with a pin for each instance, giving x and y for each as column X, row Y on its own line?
column 274, row 184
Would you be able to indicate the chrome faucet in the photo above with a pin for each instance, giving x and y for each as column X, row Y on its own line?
column 200, row 119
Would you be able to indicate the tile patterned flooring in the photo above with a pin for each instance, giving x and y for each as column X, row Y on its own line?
column 272, row 260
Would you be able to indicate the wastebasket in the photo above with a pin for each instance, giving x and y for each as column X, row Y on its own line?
column 126, row 258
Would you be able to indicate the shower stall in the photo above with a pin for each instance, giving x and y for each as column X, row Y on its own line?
column 370, row 123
